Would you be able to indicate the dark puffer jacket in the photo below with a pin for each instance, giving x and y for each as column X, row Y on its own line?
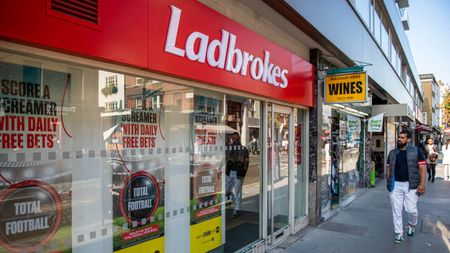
column 237, row 159
column 413, row 167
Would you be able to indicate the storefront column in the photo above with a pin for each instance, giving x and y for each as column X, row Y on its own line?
column 367, row 149
column 315, row 128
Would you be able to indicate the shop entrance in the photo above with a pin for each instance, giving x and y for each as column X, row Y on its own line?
column 278, row 167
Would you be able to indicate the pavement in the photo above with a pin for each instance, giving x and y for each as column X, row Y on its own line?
column 365, row 225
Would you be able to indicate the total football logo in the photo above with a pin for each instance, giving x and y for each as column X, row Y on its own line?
column 139, row 197
column 31, row 214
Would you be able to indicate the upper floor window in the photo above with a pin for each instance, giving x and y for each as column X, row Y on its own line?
column 385, row 41
column 364, row 8
column 377, row 26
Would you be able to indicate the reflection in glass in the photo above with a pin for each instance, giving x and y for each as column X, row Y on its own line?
column 243, row 173
column 116, row 142
column 278, row 169
column 341, row 157
column 299, row 172
column 138, row 173
column 350, row 127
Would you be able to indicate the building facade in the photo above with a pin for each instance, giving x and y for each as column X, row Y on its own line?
column 191, row 126
column 432, row 104
column 369, row 34
column 444, row 107
column 135, row 127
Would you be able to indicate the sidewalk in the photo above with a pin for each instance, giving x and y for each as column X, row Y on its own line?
column 365, row 225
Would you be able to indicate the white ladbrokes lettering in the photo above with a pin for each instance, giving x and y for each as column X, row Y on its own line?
column 228, row 57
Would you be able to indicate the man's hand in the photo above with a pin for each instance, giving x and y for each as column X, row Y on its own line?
column 388, row 172
column 421, row 189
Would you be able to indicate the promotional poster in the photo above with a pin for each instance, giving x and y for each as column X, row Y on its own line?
column 136, row 143
column 208, row 140
column 35, row 181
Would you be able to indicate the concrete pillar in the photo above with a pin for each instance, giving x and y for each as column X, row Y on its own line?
column 315, row 144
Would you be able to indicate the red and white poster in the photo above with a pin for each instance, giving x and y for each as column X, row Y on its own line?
column 35, row 181
column 208, row 141
column 136, row 142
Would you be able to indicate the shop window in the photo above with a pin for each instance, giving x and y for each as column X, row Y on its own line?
column 363, row 8
column 342, row 169
column 243, row 172
column 377, row 26
column 121, row 162
column 225, row 171
column 385, row 39
column 35, row 179
column 91, row 155
column 392, row 58
column 299, row 164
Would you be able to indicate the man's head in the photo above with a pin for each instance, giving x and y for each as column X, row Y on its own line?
column 235, row 138
column 403, row 138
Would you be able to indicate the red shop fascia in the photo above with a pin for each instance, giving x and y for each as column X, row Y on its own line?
column 181, row 38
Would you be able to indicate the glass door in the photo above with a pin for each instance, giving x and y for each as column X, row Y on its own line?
column 278, row 120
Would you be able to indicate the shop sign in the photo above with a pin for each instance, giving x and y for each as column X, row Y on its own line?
column 375, row 123
column 353, row 124
column 31, row 214
column 182, row 38
column 224, row 53
column 346, row 88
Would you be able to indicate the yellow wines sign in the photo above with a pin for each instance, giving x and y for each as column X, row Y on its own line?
column 346, row 88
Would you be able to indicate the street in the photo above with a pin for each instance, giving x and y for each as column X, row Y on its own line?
column 365, row 225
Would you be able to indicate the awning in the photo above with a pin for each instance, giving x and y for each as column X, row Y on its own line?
column 216, row 128
column 402, row 112
column 437, row 129
column 424, row 128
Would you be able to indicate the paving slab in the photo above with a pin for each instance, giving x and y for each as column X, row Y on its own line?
column 365, row 225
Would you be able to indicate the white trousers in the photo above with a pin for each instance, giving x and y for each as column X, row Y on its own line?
column 234, row 189
column 446, row 171
column 403, row 196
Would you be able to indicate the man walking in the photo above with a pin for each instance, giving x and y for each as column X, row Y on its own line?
column 237, row 161
column 405, row 176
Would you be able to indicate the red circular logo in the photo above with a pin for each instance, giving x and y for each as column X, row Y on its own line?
column 205, row 182
column 31, row 213
column 139, row 197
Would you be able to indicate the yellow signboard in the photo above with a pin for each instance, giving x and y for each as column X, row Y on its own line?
column 206, row 235
column 346, row 88
column 156, row 245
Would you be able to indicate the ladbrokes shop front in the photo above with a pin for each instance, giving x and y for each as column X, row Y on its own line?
column 148, row 126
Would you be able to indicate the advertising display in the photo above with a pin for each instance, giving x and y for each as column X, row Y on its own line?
column 346, row 88
column 165, row 34
column 35, row 183
column 98, row 160
column 353, row 124
column 208, row 141
column 375, row 123
column 137, row 145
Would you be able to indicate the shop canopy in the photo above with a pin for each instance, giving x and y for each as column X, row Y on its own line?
column 402, row 112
